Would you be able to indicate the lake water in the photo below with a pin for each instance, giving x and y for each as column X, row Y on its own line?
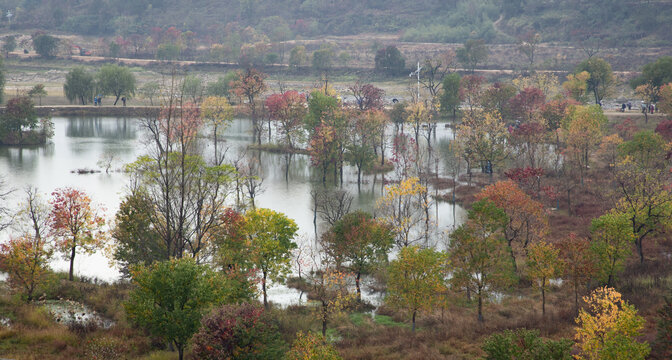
column 81, row 142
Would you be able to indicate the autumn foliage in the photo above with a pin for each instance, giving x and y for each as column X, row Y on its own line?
column 26, row 262
column 76, row 224
column 242, row 331
column 527, row 219
column 608, row 328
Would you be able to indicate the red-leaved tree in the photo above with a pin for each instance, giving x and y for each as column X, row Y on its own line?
column 289, row 109
column 367, row 96
column 528, row 221
column 75, row 224
column 242, row 331
column 527, row 103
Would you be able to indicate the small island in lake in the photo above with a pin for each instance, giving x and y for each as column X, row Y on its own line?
column 20, row 126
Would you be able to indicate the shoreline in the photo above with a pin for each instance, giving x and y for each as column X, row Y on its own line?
column 90, row 110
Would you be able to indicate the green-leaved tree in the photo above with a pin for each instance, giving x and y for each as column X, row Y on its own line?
column 170, row 298
column 117, row 81
column 79, row 85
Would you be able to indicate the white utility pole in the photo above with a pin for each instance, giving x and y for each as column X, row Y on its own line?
column 417, row 73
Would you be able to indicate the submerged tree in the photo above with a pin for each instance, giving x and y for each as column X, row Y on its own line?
column 186, row 192
column 249, row 85
column 402, row 208
column 270, row 237
column 289, row 109
column 358, row 243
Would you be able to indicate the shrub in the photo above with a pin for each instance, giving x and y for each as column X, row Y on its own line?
column 525, row 344
column 242, row 331
column 311, row 346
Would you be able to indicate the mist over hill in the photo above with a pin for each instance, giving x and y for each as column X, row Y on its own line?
column 613, row 22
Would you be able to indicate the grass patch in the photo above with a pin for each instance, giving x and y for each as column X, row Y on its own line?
column 333, row 335
column 360, row 319
column 386, row 320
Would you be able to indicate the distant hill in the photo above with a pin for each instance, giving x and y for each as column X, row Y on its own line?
column 612, row 22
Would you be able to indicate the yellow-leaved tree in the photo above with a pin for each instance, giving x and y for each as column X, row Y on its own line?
column 543, row 264
column 583, row 132
column 485, row 136
column 608, row 328
column 415, row 279
column 402, row 208
column 576, row 86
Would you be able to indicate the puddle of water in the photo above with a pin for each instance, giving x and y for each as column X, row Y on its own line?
column 66, row 312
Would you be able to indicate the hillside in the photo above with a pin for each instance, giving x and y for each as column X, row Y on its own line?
column 612, row 22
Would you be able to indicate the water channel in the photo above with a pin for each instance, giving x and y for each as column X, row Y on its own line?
column 80, row 142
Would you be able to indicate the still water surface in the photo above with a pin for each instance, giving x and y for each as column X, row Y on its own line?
column 80, row 142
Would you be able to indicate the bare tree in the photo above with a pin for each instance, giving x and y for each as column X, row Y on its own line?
column 332, row 205
column 188, row 192
column 434, row 70
column 5, row 213
column 252, row 179
column 33, row 216
column 106, row 161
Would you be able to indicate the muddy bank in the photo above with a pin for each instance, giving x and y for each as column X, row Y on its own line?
column 129, row 111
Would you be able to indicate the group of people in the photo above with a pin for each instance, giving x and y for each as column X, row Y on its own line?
column 650, row 108
column 98, row 100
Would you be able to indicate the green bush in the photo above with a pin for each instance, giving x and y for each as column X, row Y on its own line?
column 525, row 344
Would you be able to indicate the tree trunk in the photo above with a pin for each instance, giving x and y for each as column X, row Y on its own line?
column 597, row 99
column 640, row 249
column 359, row 291
column 543, row 299
column 263, row 289
column 611, row 273
column 576, row 299
column 324, row 319
column 72, row 262
column 513, row 256
column 359, row 175
column 180, row 352
column 480, row 306
column 414, row 312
